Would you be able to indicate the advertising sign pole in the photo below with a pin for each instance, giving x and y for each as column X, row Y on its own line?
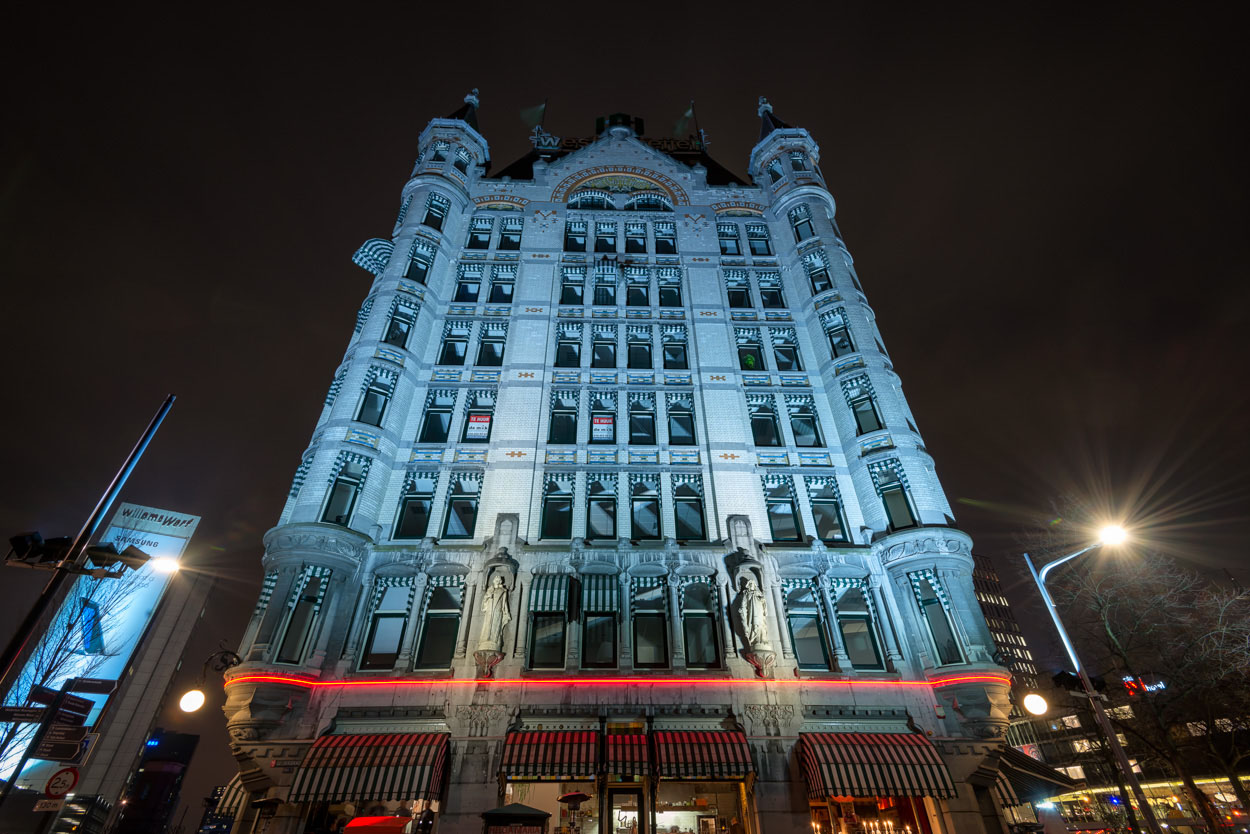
column 12, row 652
column 53, row 709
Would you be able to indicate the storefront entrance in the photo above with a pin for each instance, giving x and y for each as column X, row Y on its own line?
column 625, row 812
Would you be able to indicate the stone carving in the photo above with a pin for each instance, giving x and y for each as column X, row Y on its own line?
column 496, row 617
column 929, row 546
column 478, row 717
column 316, row 541
column 771, row 718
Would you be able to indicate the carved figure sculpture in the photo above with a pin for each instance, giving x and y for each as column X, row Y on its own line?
column 753, row 611
column 497, row 616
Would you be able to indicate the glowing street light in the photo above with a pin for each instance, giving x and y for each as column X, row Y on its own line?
column 1035, row 704
column 1110, row 535
column 192, row 700
column 165, row 564
column 218, row 661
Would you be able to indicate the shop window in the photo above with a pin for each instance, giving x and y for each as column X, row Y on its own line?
column 302, row 618
column 510, row 235
column 706, row 807
column 786, row 350
column 437, row 421
column 415, row 506
column 461, row 508
column 681, row 421
column 665, row 238
column 644, row 509
column 858, row 634
column 557, row 519
column 783, row 516
column 563, row 428
column 343, row 492
column 386, row 628
column 688, row 508
column 479, row 417
column 650, row 622
column 440, row 627
column 764, row 429
column 698, row 625
column 933, row 612
column 436, row 212
column 605, row 237
column 639, row 350
column 575, row 236
column 826, row 510
column 490, row 349
column 600, row 593
column 727, row 234
column 804, row 423
column 807, row 634
column 758, row 240
column 642, row 421
column 399, row 326
column 801, row 221
column 635, row 238
column 601, row 508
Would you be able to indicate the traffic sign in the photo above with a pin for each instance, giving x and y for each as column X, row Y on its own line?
column 48, row 805
column 23, row 715
column 73, row 703
column 57, row 751
column 42, row 695
column 61, row 783
column 92, row 686
column 65, row 732
column 84, row 751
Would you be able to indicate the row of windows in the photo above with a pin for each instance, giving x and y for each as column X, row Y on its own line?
column 481, row 233
column 662, row 239
column 638, row 349
column 641, row 419
column 775, row 167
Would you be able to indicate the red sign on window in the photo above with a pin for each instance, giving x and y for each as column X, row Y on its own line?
column 478, row 428
column 601, row 429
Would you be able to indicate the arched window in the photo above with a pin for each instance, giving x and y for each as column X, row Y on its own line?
column 648, row 201
column 589, row 198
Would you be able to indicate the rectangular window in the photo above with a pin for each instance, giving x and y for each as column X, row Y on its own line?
column 399, row 326
column 808, row 641
column 557, row 520
column 894, row 497
column 750, row 354
column 439, row 152
column 840, row 341
column 575, row 236
column 467, row 288
column 670, row 295
column 435, row 212
column 771, row 296
column 437, row 422
column 477, row 423
column 386, row 630
column 418, row 266
column 805, row 425
column 786, row 352
column 299, row 625
column 699, row 609
column 638, row 295
column 572, row 290
column 688, row 511
column 461, row 509
column 828, row 517
column 601, row 509
column 478, row 238
column 650, row 626
column 639, row 353
column 644, row 510
column 599, row 640
column 758, row 240
column 373, row 403
column 569, row 353
column 343, row 492
column 510, row 235
column 635, row 238
column 727, row 234
column 934, row 614
column 801, row 219
column 675, row 356
column 798, row 161
column 681, row 422
column 440, row 629
column 605, row 237
column 462, row 160
column 641, row 425
column 415, row 508
column 666, row 238
column 502, row 284
column 455, row 348
column 858, row 636
column 866, row 417
column 563, row 429
column 820, row 280
column 605, row 294
column 602, row 426
column 490, row 351
column 783, row 517
column 603, row 355
column 740, row 296
column 547, row 641
column 764, row 430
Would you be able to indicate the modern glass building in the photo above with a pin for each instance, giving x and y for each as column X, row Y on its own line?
column 616, row 519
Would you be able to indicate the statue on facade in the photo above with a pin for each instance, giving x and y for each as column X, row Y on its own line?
column 753, row 611
column 496, row 617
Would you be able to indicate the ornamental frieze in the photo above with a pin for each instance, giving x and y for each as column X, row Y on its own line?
column 926, row 546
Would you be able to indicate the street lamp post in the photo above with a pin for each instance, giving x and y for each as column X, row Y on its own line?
column 219, row 661
column 1111, row 536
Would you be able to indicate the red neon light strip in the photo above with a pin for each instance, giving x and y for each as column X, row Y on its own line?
column 291, row 680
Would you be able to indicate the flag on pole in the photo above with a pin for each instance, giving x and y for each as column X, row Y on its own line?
column 533, row 116
column 679, row 130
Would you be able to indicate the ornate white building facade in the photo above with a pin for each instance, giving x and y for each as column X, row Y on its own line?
column 616, row 491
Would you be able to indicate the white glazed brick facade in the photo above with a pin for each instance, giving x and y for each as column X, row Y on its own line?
column 274, row 721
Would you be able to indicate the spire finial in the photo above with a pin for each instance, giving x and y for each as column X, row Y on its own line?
column 765, row 107
column 471, row 98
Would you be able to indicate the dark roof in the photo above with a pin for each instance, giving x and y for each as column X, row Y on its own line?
column 515, row 811
column 769, row 123
column 467, row 112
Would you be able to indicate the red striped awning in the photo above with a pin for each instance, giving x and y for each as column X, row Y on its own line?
column 396, row 766
column 539, row 754
column 873, row 764
column 702, row 754
column 627, row 754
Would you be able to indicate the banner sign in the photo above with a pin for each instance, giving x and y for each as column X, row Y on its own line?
column 602, row 429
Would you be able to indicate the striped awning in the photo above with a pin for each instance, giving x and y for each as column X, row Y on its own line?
column 873, row 764
column 702, row 754
column 601, row 592
column 232, row 798
column 390, row 766
column 549, row 593
column 541, row 754
column 627, row 754
column 1006, row 793
column 1027, row 779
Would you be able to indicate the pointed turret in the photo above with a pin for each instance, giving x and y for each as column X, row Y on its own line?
column 467, row 112
column 769, row 122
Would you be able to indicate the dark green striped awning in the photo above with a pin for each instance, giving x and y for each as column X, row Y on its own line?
column 601, row 592
column 549, row 593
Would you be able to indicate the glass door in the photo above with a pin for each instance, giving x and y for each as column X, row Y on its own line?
column 625, row 813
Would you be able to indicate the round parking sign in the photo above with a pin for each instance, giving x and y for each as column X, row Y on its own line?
column 61, row 782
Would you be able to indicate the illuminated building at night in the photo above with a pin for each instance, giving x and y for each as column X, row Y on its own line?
column 616, row 491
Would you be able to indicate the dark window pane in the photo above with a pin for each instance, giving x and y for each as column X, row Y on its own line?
column 603, row 355
column 897, row 508
column 601, row 518
column 639, row 355
column 806, row 432
column 787, row 358
column 605, row 295
column 760, row 246
column 764, row 430
column 820, row 281
column 547, row 641
column 689, row 518
column 478, row 240
column 675, row 357
column 681, row 428
column 501, row 293
column 646, row 518
column 339, row 507
column 641, row 428
column 809, row 643
column 397, row 331
column 803, row 230
column 638, row 295
column 372, row 407
column 571, row 294
column 454, row 351
column 382, row 648
column 730, row 246
column 772, row 299
column 605, row 243
column 563, row 427
column 574, row 242
column 568, row 355
column 750, row 358
column 701, row 647
column 861, row 645
column 828, row 521
column 670, row 296
column 840, row 342
column 557, row 518
column 635, row 245
column 510, row 241
column 414, row 518
column 599, row 640
column 665, row 246
column 490, row 353
column 782, row 521
column 865, row 415
column 416, row 270
column 943, row 636
column 461, row 518
column 739, row 297
column 438, row 641
column 650, row 641
column 435, row 427
column 434, row 220
column 467, row 290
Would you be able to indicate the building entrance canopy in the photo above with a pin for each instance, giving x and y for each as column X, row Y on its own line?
column 872, row 765
column 356, row 768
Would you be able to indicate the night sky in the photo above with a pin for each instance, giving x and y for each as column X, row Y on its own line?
column 1048, row 215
